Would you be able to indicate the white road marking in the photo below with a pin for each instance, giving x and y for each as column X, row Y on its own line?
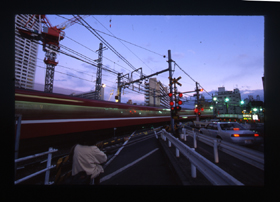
column 107, row 177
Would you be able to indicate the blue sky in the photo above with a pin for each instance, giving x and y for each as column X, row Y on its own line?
column 215, row 51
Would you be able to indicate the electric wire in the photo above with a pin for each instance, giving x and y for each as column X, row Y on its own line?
column 121, row 39
column 96, row 53
column 191, row 78
column 122, row 43
column 92, row 30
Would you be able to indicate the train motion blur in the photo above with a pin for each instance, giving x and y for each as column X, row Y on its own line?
column 47, row 114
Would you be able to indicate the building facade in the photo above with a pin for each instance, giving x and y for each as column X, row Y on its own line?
column 232, row 106
column 156, row 94
column 90, row 94
column 25, row 55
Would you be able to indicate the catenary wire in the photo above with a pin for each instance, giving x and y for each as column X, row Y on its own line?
column 121, row 39
column 122, row 43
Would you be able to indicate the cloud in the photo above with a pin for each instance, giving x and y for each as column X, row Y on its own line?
column 178, row 55
column 150, row 60
column 191, row 51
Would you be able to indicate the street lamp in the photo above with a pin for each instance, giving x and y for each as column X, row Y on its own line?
column 214, row 98
column 226, row 100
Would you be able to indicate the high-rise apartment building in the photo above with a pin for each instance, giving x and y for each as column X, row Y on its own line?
column 25, row 54
column 156, row 94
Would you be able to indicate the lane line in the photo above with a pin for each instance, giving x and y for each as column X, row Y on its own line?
column 107, row 177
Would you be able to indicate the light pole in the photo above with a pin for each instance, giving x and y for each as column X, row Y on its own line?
column 226, row 101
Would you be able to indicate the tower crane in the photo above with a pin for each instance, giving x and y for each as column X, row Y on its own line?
column 112, row 92
column 50, row 36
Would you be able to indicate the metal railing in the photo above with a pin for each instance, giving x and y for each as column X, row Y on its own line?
column 47, row 169
column 213, row 173
column 250, row 156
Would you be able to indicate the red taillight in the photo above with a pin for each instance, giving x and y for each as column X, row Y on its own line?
column 256, row 135
column 235, row 135
column 235, row 128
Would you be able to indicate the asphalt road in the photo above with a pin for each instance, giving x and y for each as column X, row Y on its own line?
column 139, row 163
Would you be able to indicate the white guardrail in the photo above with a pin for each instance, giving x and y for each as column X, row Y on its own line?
column 250, row 156
column 47, row 170
column 213, row 173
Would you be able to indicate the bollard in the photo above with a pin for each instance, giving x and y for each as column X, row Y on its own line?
column 169, row 143
column 47, row 175
column 177, row 152
column 193, row 169
column 194, row 139
column 216, row 155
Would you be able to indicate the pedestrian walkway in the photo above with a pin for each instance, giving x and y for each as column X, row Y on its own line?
column 142, row 163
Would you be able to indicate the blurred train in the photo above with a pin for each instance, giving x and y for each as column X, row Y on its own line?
column 46, row 114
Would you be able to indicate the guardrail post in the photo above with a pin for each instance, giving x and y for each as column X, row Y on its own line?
column 194, row 139
column 216, row 155
column 193, row 169
column 169, row 143
column 47, row 176
column 177, row 152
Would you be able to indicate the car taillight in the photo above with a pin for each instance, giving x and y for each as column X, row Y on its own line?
column 235, row 135
column 235, row 128
column 256, row 135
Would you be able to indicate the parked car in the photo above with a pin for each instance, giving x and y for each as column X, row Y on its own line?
column 232, row 132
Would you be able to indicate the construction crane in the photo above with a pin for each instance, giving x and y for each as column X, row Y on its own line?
column 50, row 36
column 112, row 92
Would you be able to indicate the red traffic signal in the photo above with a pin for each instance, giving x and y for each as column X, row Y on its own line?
column 180, row 94
column 178, row 108
column 172, row 108
column 170, row 94
column 202, row 109
column 180, row 102
column 195, row 110
column 199, row 113
column 171, row 103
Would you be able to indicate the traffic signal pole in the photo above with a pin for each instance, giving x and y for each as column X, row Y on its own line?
column 171, row 90
column 197, row 98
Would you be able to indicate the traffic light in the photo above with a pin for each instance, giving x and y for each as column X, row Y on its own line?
column 171, row 103
column 195, row 110
column 178, row 108
column 180, row 102
column 180, row 94
column 170, row 94
column 201, row 90
column 199, row 113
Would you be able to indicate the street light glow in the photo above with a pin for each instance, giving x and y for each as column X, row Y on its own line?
column 227, row 99
column 214, row 98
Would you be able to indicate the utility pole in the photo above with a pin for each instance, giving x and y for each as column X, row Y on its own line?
column 119, row 88
column 197, row 98
column 98, row 84
column 171, row 90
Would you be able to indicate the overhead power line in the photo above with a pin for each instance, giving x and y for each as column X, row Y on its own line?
column 122, row 43
column 191, row 78
column 94, row 32
column 121, row 40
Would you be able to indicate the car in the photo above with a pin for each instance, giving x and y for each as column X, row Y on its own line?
column 232, row 132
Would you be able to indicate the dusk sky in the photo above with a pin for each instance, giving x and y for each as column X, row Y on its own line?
column 215, row 51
